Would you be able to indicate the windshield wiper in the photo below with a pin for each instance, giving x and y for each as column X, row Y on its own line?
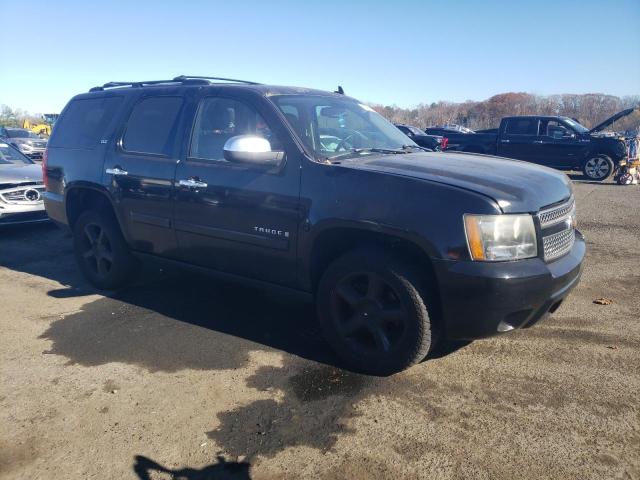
column 357, row 151
column 407, row 147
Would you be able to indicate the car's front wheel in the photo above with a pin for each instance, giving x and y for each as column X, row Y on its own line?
column 598, row 168
column 101, row 251
column 373, row 310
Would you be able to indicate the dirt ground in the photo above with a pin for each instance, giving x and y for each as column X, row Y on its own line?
column 182, row 377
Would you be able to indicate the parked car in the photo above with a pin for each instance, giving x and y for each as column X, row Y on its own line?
column 24, row 140
column 558, row 142
column 432, row 142
column 313, row 192
column 21, row 188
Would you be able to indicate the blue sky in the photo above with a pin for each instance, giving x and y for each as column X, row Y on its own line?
column 389, row 52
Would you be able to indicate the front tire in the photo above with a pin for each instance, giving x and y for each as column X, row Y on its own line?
column 373, row 311
column 598, row 168
column 101, row 251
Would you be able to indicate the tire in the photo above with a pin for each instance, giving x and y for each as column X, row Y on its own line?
column 598, row 168
column 372, row 308
column 101, row 251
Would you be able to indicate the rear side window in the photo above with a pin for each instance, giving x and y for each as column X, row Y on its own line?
column 522, row 126
column 84, row 122
column 151, row 126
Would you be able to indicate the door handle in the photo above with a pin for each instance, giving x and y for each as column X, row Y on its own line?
column 504, row 141
column 538, row 141
column 192, row 183
column 116, row 171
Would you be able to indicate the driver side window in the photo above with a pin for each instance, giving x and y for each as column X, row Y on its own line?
column 220, row 119
column 555, row 129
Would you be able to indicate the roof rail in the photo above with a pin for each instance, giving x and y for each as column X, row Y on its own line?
column 182, row 81
column 232, row 80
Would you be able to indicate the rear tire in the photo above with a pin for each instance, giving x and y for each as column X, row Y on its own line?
column 101, row 251
column 598, row 168
column 373, row 311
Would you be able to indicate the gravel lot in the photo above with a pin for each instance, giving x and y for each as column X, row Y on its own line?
column 180, row 375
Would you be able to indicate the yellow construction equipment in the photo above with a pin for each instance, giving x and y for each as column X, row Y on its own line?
column 43, row 127
column 37, row 128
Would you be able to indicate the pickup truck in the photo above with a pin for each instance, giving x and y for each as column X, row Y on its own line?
column 316, row 193
column 558, row 142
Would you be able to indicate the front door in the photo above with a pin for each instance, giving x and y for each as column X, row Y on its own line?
column 561, row 147
column 232, row 217
column 140, row 170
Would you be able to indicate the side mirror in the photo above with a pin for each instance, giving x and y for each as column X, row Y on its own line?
column 251, row 149
column 568, row 135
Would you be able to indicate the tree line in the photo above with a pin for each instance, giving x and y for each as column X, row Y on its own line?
column 589, row 109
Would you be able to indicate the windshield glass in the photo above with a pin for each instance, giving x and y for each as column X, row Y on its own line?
column 332, row 126
column 416, row 131
column 19, row 133
column 575, row 125
column 11, row 156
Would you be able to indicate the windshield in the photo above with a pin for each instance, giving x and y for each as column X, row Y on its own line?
column 333, row 127
column 416, row 130
column 19, row 133
column 11, row 156
column 575, row 125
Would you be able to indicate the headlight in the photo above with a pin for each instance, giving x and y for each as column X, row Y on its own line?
column 24, row 146
column 495, row 238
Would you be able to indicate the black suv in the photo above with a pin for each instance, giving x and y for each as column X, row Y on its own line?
column 316, row 192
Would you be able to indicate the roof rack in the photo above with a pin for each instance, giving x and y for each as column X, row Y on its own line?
column 182, row 79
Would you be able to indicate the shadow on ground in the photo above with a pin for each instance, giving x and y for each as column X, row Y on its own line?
column 174, row 321
column 581, row 178
column 147, row 469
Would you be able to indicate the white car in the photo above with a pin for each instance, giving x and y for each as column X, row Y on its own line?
column 21, row 188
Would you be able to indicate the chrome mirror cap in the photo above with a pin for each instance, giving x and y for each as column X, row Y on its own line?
column 247, row 143
column 251, row 149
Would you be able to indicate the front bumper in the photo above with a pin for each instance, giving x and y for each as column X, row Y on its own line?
column 481, row 299
column 19, row 214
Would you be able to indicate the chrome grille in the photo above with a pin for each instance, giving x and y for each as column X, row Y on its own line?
column 558, row 244
column 560, row 241
column 23, row 195
column 554, row 215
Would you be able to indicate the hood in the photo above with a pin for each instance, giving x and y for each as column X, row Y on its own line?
column 612, row 119
column 19, row 174
column 516, row 186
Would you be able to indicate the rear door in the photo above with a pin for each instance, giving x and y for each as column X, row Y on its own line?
column 519, row 139
column 139, row 171
column 238, row 218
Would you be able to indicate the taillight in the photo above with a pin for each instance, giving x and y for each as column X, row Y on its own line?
column 45, row 178
column 445, row 142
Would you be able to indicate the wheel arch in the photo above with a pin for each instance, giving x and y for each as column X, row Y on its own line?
column 81, row 197
column 333, row 242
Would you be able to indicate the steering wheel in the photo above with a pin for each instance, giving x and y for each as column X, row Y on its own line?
column 343, row 142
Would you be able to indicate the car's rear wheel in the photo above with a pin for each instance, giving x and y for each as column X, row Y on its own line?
column 101, row 251
column 373, row 311
column 598, row 168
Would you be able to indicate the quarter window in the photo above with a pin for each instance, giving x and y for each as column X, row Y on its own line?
column 151, row 126
column 84, row 122
column 218, row 120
